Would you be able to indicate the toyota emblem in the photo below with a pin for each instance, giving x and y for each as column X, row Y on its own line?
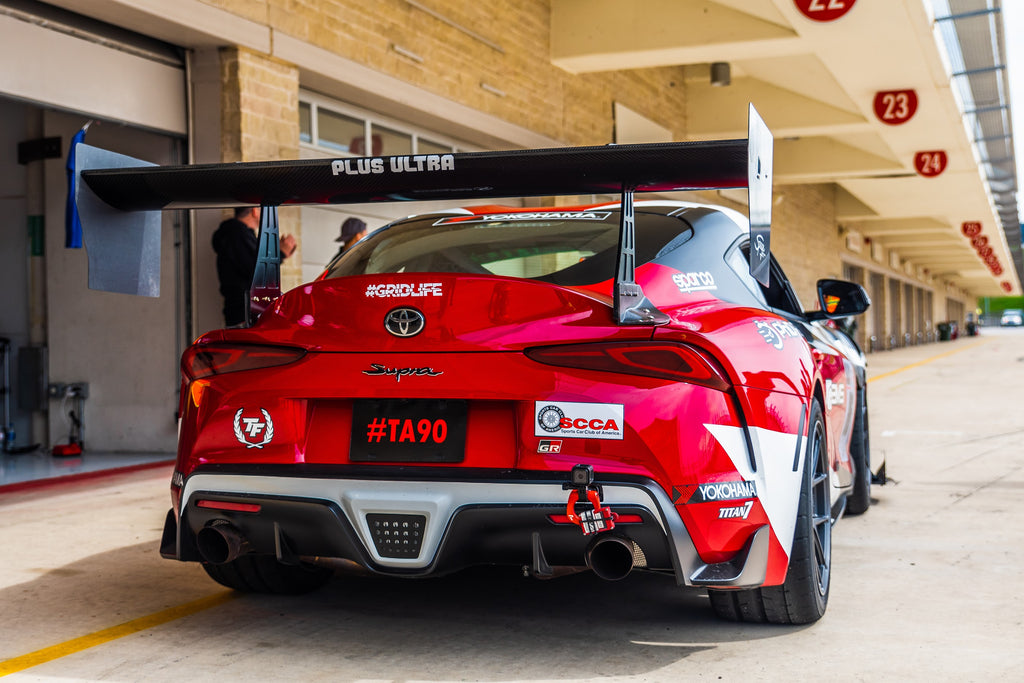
column 404, row 322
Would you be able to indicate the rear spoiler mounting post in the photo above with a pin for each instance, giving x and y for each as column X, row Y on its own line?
column 266, row 278
column 631, row 306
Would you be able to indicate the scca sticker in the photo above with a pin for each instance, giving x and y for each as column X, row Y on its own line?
column 578, row 420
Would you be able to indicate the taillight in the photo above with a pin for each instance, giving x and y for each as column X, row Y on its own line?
column 218, row 359
column 676, row 362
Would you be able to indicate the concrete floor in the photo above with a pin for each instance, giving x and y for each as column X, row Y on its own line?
column 926, row 586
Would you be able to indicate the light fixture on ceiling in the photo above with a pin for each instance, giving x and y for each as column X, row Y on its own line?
column 720, row 74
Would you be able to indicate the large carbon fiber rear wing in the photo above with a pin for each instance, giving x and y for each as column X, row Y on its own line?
column 121, row 197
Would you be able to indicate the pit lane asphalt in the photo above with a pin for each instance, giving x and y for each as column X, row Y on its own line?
column 927, row 585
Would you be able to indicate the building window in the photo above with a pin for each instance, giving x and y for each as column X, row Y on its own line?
column 334, row 127
column 340, row 132
column 305, row 122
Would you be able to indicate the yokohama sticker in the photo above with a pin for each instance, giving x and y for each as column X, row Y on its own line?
column 723, row 490
column 528, row 216
column 578, row 420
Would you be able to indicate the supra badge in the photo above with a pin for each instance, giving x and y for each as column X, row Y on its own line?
column 254, row 429
column 399, row 373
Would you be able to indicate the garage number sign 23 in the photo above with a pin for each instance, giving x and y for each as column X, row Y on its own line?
column 895, row 107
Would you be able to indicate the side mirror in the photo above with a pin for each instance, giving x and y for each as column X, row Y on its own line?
column 839, row 299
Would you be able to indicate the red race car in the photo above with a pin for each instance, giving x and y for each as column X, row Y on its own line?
column 622, row 386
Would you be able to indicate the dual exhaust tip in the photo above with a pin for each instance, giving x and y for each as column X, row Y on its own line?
column 609, row 557
column 220, row 542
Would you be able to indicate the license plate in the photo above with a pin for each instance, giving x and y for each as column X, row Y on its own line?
column 408, row 430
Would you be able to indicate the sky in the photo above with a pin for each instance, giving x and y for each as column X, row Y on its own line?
column 1013, row 24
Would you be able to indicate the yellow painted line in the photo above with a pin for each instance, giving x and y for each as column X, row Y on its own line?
column 926, row 361
column 70, row 647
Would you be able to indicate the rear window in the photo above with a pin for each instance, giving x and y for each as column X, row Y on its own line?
column 568, row 248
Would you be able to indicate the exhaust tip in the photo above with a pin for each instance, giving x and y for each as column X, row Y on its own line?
column 611, row 557
column 220, row 542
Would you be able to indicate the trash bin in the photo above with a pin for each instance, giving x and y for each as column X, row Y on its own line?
column 945, row 331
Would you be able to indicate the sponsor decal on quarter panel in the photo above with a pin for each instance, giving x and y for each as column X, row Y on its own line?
column 778, row 486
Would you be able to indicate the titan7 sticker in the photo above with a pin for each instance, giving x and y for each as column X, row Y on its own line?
column 578, row 420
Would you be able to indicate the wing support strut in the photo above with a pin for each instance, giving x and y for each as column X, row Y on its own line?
column 630, row 305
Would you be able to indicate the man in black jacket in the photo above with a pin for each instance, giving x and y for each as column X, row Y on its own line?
column 236, row 243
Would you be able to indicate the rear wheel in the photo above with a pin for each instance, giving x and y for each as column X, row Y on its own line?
column 264, row 574
column 804, row 595
column 860, row 454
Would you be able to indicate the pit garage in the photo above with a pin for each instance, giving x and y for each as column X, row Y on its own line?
column 894, row 169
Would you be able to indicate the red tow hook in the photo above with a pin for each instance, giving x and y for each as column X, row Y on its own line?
column 595, row 520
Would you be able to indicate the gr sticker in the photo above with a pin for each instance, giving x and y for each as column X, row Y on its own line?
column 776, row 332
column 723, row 490
column 578, row 420
column 695, row 282
column 549, row 446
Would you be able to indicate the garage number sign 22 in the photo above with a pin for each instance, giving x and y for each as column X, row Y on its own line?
column 824, row 10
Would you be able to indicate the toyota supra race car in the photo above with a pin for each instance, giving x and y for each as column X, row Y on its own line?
column 629, row 385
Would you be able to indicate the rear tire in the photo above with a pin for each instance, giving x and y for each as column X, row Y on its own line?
column 803, row 597
column 264, row 574
column 859, row 499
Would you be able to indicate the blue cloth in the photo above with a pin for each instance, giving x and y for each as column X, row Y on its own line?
column 72, row 224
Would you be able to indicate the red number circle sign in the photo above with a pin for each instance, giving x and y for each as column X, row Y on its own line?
column 824, row 10
column 970, row 228
column 930, row 164
column 895, row 106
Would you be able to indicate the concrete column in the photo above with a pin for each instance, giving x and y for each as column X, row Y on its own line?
column 260, row 122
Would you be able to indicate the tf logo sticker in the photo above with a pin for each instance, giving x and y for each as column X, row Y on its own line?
column 252, row 431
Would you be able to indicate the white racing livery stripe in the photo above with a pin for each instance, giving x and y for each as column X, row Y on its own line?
column 778, row 486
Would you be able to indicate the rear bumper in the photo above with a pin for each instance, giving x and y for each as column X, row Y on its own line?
column 479, row 520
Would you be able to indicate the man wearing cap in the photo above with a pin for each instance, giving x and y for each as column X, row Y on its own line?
column 352, row 230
